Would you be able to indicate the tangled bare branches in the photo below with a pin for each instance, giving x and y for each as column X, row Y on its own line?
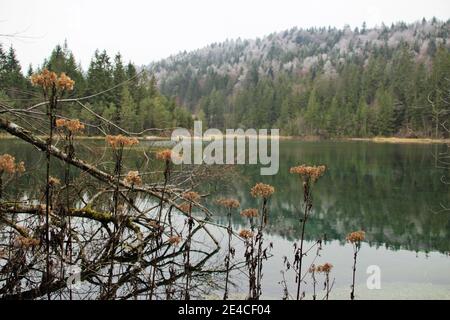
column 125, row 241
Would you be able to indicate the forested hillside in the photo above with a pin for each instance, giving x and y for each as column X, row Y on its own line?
column 389, row 80
column 120, row 93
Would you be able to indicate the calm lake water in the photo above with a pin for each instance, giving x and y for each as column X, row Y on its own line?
column 392, row 191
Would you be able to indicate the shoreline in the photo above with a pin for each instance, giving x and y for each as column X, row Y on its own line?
column 397, row 140
column 392, row 140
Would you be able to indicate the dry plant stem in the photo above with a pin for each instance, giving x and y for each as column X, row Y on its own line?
column 158, row 237
column 285, row 287
column 313, row 276
column 172, row 273
column 187, row 264
column 259, row 239
column 228, row 258
column 51, row 107
column 1, row 184
column 252, row 272
column 118, row 153
column 70, row 153
column 356, row 248
column 252, row 264
column 327, row 281
column 307, row 208
column 329, row 287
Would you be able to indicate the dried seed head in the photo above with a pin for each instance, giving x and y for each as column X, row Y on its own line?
column 185, row 207
column 250, row 213
column 262, row 190
column 25, row 242
column 356, row 237
column 133, row 178
column 73, row 126
column 154, row 224
column 48, row 79
column 20, row 167
column 60, row 123
column 8, row 164
column 52, row 181
column 174, row 240
column 325, row 268
column 64, row 82
column 229, row 203
column 191, row 196
column 246, row 234
column 165, row 155
column 309, row 172
column 119, row 141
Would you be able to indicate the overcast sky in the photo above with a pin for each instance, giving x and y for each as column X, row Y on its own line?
column 144, row 31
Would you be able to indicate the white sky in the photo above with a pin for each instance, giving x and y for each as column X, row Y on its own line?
column 144, row 31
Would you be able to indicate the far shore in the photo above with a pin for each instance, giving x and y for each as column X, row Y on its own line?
column 394, row 140
column 401, row 140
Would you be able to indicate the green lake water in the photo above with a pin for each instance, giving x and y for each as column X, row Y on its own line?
column 394, row 192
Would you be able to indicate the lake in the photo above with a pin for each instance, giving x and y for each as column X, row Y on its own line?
column 394, row 192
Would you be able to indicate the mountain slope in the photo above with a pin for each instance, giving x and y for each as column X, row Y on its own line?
column 327, row 81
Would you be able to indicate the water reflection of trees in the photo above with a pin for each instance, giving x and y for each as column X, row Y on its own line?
column 123, row 253
column 391, row 191
column 132, row 263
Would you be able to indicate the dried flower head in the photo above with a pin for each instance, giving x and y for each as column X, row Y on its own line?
column 52, row 181
column 60, row 123
column 72, row 126
column 48, row 79
column 250, row 213
column 262, row 190
column 20, row 167
column 191, row 196
column 356, row 237
column 154, row 224
column 325, row 268
column 174, row 240
column 36, row 80
column 120, row 141
column 246, row 234
column 185, row 207
column 133, row 178
column 64, row 82
column 8, row 164
column 25, row 242
column 165, row 155
column 309, row 172
column 229, row 203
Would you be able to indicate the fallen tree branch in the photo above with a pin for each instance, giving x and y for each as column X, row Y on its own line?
column 29, row 137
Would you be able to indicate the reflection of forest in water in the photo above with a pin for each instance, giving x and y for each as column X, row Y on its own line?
column 394, row 192
column 391, row 191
